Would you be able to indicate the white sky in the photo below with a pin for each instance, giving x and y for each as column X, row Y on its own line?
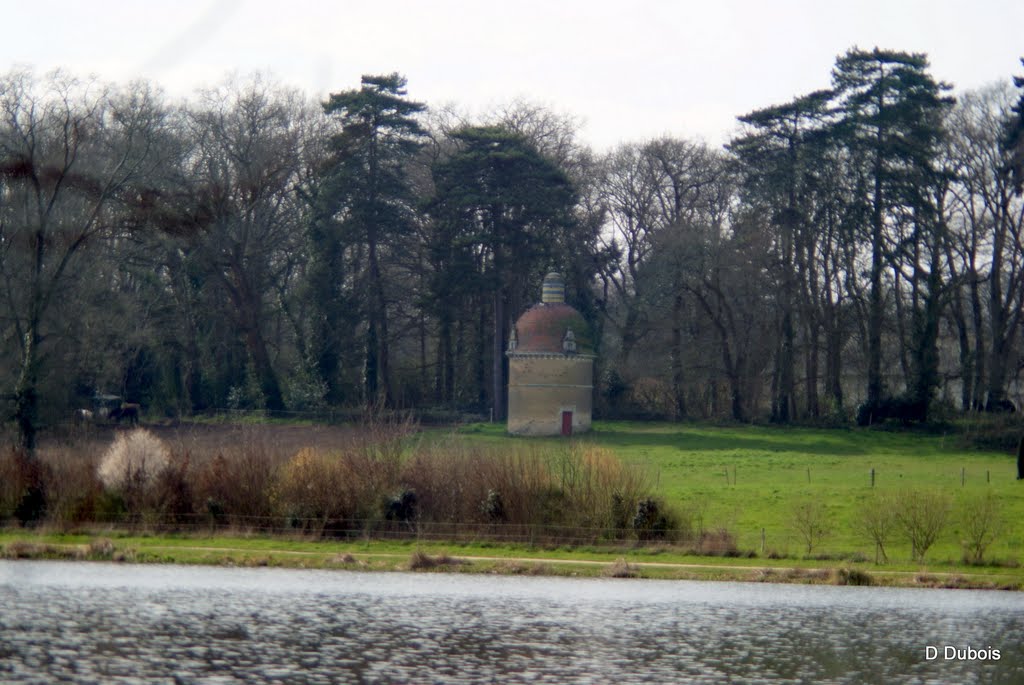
column 629, row 70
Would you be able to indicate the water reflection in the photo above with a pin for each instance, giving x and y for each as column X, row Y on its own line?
column 88, row 623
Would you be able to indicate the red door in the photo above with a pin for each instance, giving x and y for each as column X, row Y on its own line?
column 566, row 423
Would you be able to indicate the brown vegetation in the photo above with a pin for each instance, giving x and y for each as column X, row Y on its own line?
column 378, row 479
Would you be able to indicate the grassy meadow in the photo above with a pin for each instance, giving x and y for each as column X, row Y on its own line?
column 745, row 478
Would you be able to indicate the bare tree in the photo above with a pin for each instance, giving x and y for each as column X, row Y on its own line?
column 986, row 257
column 248, row 149
column 811, row 522
column 76, row 161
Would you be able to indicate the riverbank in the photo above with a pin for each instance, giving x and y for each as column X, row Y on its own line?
column 486, row 558
column 653, row 500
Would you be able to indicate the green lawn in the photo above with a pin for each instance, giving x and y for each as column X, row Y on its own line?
column 769, row 469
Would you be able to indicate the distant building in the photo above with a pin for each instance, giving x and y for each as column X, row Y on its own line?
column 551, row 367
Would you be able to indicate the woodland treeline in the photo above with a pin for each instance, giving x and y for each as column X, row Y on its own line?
column 250, row 248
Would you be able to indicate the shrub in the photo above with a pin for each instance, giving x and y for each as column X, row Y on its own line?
column 401, row 507
column 314, row 491
column 904, row 409
column 173, row 492
column 236, row 487
column 876, row 521
column 650, row 522
column 718, row 543
column 133, row 462
column 23, row 482
column 420, row 561
column 620, row 569
column 492, row 507
column 853, row 576
column 982, row 520
column 73, row 487
column 595, row 486
column 810, row 522
column 922, row 515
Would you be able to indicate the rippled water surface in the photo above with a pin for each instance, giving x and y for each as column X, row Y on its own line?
column 105, row 623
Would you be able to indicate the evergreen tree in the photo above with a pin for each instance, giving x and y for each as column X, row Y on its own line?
column 500, row 201
column 1014, row 138
column 365, row 217
column 888, row 117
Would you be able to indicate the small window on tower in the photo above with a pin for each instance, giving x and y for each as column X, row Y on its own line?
column 569, row 342
column 513, row 339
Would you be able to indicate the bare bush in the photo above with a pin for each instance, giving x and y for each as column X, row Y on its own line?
column 23, row 486
column 12, row 487
column 236, row 484
column 876, row 521
column 981, row 519
column 719, row 542
column 73, row 486
column 811, row 523
column 922, row 515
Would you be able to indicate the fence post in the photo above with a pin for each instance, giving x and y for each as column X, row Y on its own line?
column 762, row 542
column 872, row 477
column 963, row 476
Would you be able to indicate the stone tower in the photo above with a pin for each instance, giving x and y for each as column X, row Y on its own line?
column 550, row 367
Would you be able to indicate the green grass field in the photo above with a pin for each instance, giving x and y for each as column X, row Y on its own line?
column 770, row 469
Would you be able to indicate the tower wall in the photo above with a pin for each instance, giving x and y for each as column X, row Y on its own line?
column 542, row 386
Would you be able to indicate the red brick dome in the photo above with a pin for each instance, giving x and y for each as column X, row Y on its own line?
column 544, row 327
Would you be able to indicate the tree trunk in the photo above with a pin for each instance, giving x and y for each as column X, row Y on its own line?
column 678, row 391
column 26, row 398
column 498, row 357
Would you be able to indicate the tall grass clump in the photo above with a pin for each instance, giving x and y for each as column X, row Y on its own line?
column 313, row 491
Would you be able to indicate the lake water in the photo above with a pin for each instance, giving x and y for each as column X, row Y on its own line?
column 108, row 623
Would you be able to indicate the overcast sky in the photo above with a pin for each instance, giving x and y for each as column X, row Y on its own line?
column 628, row 70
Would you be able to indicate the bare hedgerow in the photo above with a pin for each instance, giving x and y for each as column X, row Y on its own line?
column 134, row 461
